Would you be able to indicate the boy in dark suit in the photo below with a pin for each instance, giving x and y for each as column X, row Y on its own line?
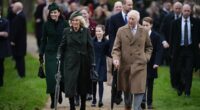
column 154, row 62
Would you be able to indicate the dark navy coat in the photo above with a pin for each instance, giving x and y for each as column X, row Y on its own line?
column 5, row 49
column 101, row 50
column 156, row 55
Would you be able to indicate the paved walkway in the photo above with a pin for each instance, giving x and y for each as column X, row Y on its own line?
column 32, row 49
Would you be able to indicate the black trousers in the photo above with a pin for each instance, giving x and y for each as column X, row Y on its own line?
column 184, row 69
column 20, row 65
column 1, row 71
column 148, row 97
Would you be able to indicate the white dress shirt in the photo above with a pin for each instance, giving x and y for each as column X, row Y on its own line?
column 182, row 31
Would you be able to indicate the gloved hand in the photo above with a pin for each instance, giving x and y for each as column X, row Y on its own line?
column 41, row 59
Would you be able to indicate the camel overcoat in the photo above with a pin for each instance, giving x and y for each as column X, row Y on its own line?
column 133, row 52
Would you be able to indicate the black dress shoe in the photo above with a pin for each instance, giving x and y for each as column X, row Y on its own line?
column 143, row 105
column 179, row 92
column 100, row 104
column 1, row 83
column 187, row 95
column 118, row 100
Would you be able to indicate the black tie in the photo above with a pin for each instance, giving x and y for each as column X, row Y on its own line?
column 125, row 19
column 186, row 34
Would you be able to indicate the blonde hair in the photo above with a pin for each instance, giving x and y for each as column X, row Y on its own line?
column 82, row 21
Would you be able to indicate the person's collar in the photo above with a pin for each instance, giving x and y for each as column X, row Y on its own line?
column 188, row 19
column 123, row 13
column 150, row 31
column 135, row 28
column 164, row 9
column 19, row 12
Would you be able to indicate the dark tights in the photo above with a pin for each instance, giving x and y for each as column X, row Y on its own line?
column 94, row 87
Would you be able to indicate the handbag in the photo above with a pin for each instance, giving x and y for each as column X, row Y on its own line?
column 41, row 73
column 94, row 75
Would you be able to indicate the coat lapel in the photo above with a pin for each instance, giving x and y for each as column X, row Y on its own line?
column 137, row 34
column 129, row 34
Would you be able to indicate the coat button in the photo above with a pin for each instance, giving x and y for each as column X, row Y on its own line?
column 139, row 54
column 139, row 45
column 130, row 54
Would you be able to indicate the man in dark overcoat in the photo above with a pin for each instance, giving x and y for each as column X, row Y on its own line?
column 18, row 38
column 164, row 30
column 5, row 50
column 184, row 47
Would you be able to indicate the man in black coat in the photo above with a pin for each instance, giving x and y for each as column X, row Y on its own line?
column 116, row 21
column 184, row 47
column 154, row 62
column 18, row 38
column 164, row 30
column 5, row 50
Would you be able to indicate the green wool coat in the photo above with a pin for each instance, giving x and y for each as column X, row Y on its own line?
column 52, row 36
column 77, row 50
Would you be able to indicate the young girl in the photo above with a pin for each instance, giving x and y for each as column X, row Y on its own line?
column 101, row 49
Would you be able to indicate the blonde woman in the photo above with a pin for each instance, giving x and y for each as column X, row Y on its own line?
column 77, row 49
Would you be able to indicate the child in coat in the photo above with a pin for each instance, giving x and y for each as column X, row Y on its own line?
column 101, row 46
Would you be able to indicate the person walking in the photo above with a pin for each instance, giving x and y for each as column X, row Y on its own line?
column 77, row 49
column 101, row 46
column 52, row 36
column 5, row 50
column 131, row 51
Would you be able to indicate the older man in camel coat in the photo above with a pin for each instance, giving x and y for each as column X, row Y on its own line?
column 131, row 51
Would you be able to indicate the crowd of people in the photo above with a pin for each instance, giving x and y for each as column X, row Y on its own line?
column 89, row 36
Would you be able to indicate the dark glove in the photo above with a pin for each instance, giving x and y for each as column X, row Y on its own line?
column 41, row 59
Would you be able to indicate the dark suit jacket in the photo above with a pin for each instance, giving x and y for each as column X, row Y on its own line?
column 116, row 21
column 165, row 26
column 5, row 49
column 176, row 37
column 156, row 55
column 18, row 34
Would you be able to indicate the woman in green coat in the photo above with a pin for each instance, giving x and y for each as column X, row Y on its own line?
column 52, row 36
column 77, row 49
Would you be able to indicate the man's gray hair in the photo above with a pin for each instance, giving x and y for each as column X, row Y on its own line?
column 134, row 13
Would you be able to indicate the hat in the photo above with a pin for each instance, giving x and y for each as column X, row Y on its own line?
column 53, row 6
column 75, row 14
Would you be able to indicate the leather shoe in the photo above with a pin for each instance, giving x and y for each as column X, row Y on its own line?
column 118, row 100
column 179, row 92
column 100, row 104
column 143, row 105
